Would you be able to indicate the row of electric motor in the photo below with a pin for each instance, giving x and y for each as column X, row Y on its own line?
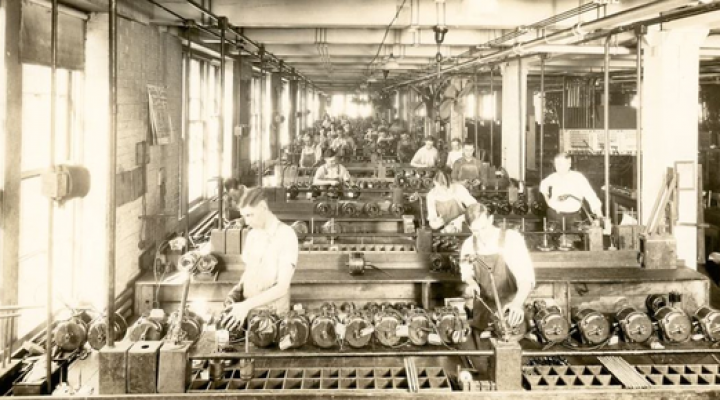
column 666, row 322
column 373, row 210
column 73, row 333
column 333, row 327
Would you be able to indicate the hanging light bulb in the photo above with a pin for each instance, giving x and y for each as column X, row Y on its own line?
column 391, row 63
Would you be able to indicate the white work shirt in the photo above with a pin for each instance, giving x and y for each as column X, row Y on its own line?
column 425, row 158
column 514, row 252
column 268, row 254
column 573, row 183
column 453, row 156
column 454, row 192
column 328, row 172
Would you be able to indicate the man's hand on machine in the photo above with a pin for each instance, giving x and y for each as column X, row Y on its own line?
column 515, row 313
column 472, row 289
column 235, row 316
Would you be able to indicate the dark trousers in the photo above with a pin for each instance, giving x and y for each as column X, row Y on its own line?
column 571, row 223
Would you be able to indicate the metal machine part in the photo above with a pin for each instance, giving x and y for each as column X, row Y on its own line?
column 347, row 307
column 371, row 209
column 324, row 209
column 520, row 207
column 72, row 334
column 450, row 326
column 294, row 331
column 359, row 329
column 537, row 208
column 427, row 183
column 315, row 191
column 301, row 229
column 350, row 209
column 673, row 323
column 437, row 262
column 709, row 321
column 322, row 330
column 292, row 192
column 97, row 333
column 352, row 191
column 419, row 326
column 593, row 326
column 635, row 325
column 503, row 207
column 387, row 321
column 207, row 264
column 262, row 328
column 334, row 192
column 552, row 327
column 188, row 261
column 191, row 326
column 397, row 209
column 146, row 328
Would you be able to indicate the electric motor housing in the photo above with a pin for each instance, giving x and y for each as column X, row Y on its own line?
column 97, row 333
column 674, row 324
column 71, row 334
column 709, row 321
column 294, row 331
column 419, row 326
column 450, row 326
column 593, row 326
column 635, row 325
column 387, row 321
column 322, row 330
column 358, row 329
column 191, row 326
column 551, row 325
column 371, row 209
column 262, row 328
column 146, row 328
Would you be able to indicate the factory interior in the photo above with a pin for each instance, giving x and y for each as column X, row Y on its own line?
column 360, row 199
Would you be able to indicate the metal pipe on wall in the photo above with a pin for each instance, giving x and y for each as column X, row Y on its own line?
column 184, row 155
column 221, row 129
column 112, row 150
column 521, row 130
column 261, row 123
column 51, row 202
column 606, row 122
column 638, row 131
column 476, row 110
column 492, row 119
column 542, row 115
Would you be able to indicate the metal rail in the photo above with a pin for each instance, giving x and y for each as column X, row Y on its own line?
column 112, row 150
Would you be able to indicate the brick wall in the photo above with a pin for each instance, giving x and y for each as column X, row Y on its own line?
column 145, row 56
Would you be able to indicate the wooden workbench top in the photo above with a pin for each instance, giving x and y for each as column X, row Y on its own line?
column 543, row 275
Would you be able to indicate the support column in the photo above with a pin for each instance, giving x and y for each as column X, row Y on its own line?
column 322, row 106
column 292, row 119
column 11, row 101
column 514, row 112
column 275, row 114
column 670, row 128
column 241, row 143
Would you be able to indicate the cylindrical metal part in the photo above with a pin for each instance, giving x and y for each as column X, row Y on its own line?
column 709, row 321
column 359, row 329
column 262, row 329
column 675, row 325
column 552, row 326
column 294, row 331
column 636, row 326
column 593, row 326
column 146, row 329
column 387, row 322
column 372, row 210
column 323, row 331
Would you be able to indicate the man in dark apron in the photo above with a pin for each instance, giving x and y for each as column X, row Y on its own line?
column 499, row 255
column 468, row 168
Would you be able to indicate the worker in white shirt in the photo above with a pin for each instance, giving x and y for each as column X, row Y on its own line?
column 426, row 156
column 331, row 173
column 446, row 203
column 505, row 256
column 270, row 254
column 564, row 192
column 455, row 152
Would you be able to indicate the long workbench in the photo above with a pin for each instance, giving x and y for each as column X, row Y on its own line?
column 570, row 287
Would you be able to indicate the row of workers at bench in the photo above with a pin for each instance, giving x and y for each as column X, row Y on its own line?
column 271, row 250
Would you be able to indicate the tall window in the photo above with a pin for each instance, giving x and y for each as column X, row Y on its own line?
column 204, row 128
column 34, row 214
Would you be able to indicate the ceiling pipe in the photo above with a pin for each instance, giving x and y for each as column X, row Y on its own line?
column 563, row 35
column 269, row 57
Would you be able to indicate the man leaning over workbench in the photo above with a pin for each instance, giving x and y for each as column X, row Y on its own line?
column 503, row 254
column 270, row 254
